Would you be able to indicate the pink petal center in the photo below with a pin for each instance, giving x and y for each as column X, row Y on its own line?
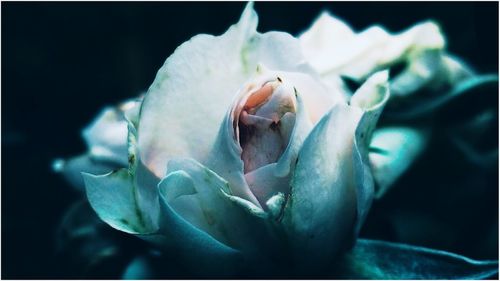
column 263, row 131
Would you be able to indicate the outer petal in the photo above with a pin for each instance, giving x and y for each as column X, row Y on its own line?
column 392, row 151
column 321, row 210
column 332, row 187
column 371, row 98
column 114, row 198
column 187, row 101
column 231, row 220
column 126, row 199
column 193, row 246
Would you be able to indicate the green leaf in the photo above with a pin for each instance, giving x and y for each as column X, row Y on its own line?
column 372, row 259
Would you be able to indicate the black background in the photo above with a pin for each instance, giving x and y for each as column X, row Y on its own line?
column 63, row 62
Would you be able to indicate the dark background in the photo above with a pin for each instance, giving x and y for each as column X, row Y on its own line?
column 63, row 62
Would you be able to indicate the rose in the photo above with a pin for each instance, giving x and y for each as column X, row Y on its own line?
column 275, row 169
column 280, row 174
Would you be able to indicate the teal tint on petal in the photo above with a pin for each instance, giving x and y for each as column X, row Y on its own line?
column 114, row 198
column 229, row 219
column 371, row 98
column 321, row 211
column 196, row 248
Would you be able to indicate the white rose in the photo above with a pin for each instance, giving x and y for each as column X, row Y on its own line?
column 240, row 152
column 248, row 154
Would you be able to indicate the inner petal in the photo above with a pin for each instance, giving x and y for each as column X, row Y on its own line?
column 264, row 125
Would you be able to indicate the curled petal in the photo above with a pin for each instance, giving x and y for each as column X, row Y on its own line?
column 371, row 98
column 332, row 187
column 300, row 131
column 321, row 210
column 264, row 183
column 318, row 98
column 114, row 198
column 196, row 248
column 231, row 220
column 126, row 199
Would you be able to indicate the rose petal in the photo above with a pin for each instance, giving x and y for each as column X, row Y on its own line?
column 321, row 210
column 229, row 219
column 318, row 98
column 126, row 199
column 114, row 198
column 393, row 150
column 300, row 131
column 264, row 183
column 194, row 247
column 371, row 98
column 187, row 101
column 332, row 187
